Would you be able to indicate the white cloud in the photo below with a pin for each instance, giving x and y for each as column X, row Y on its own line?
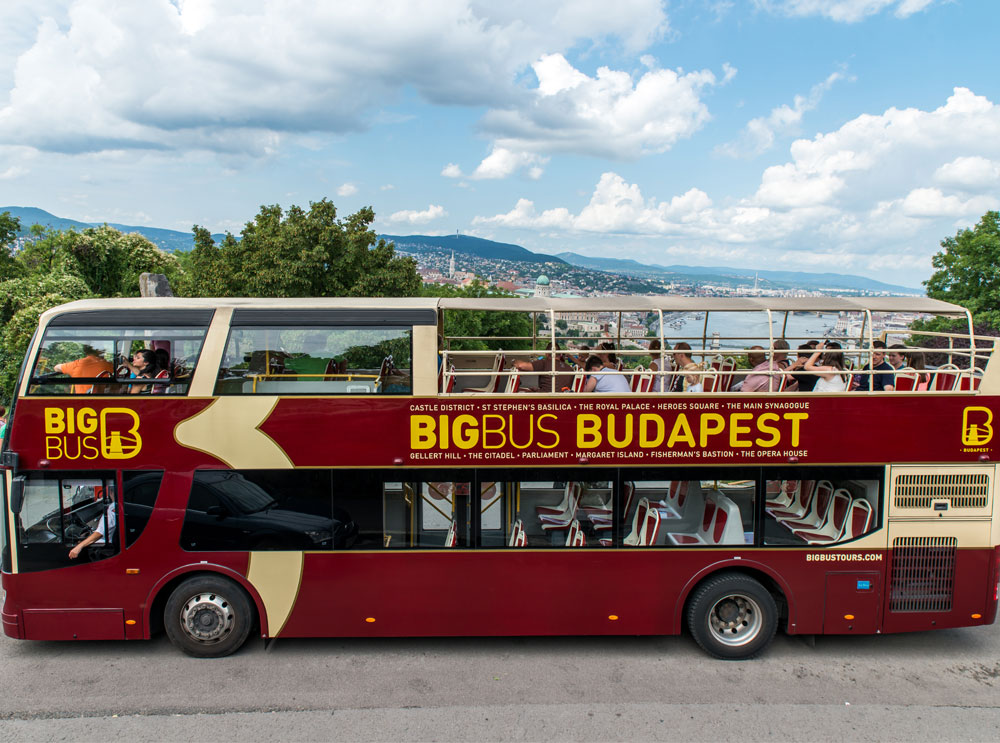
column 969, row 173
column 14, row 171
column 846, row 11
column 238, row 75
column 347, row 189
column 410, row 216
column 881, row 185
column 931, row 202
column 451, row 170
column 386, row 187
column 612, row 115
column 759, row 134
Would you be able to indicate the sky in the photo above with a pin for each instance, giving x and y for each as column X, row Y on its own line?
column 848, row 136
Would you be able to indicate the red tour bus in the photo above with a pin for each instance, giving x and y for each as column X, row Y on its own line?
column 358, row 468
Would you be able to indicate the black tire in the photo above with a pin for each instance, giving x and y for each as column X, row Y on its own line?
column 732, row 616
column 208, row 617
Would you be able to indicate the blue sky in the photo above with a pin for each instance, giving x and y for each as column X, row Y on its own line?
column 818, row 135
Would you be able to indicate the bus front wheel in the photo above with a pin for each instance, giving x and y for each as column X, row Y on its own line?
column 732, row 616
column 207, row 617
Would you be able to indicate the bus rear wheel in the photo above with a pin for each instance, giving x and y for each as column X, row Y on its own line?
column 207, row 617
column 732, row 616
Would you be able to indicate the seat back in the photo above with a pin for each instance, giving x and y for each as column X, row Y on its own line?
column 906, row 379
column 859, row 519
column 450, row 379
column 726, row 369
column 710, row 381
column 513, row 381
column 727, row 527
column 101, row 389
column 945, row 378
column 515, row 532
column 644, row 383
column 968, row 381
column 636, row 376
column 650, row 528
column 575, row 536
column 451, row 538
column 578, row 379
column 638, row 523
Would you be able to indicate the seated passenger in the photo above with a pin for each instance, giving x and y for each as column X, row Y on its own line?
column 543, row 365
column 915, row 360
column 760, row 380
column 92, row 364
column 606, row 354
column 603, row 379
column 659, row 382
column 829, row 369
column 142, row 366
column 879, row 374
column 805, row 380
column 682, row 361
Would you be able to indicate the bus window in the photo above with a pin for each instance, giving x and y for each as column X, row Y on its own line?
column 691, row 512
column 59, row 513
column 820, row 507
column 139, row 491
column 100, row 361
column 262, row 510
column 547, row 513
column 316, row 360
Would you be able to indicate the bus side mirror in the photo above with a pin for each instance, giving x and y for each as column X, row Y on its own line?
column 17, row 494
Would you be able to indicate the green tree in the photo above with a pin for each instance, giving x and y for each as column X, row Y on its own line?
column 22, row 301
column 480, row 323
column 968, row 270
column 9, row 229
column 299, row 253
column 108, row 261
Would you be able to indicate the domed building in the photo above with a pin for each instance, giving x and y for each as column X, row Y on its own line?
column 542, row 287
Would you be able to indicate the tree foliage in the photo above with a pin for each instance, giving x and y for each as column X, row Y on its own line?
column 480, row 323
column 299, row 253
column 9, row 229
column 968, row 270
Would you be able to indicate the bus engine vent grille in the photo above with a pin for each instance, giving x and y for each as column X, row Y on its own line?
column 923, row 573
column 962, row 491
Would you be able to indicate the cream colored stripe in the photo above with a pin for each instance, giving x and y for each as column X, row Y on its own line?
column 276, row 576
column 11, row 521
column 228, row 430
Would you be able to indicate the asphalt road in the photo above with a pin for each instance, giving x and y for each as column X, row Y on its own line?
column 923, row 687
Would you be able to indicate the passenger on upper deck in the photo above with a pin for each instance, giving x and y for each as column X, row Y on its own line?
column 829, row 368
column 896, row 356
column 805, row 380
column 879, row 374
column 659, row 383
column 603, row 379
column 142, row 366
column 606, row 354
column 682, row 361
column 92, row 364
column 758, row 380
column 543, row 365
column 915, row 360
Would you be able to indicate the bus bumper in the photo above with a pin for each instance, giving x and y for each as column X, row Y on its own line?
column 12, row 625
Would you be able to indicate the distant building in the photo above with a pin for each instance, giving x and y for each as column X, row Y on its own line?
column 543, row 287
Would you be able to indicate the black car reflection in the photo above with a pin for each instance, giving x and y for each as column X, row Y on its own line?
column 228, row 511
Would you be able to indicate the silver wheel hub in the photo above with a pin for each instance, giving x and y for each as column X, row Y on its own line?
column 207, row 617
column 735, row 620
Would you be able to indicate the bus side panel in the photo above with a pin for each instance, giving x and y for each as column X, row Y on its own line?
column 74, row 624
column 923, row 602
column 531, row 592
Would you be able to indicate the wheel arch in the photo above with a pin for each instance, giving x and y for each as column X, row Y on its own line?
column 160, row 592
column 770, row 579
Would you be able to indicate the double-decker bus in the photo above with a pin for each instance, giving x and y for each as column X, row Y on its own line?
column 376, row 468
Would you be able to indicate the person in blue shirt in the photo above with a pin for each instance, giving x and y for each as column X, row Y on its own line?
column 882, row 376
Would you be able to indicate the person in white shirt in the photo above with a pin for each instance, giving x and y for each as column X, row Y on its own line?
column 103, row 532
column 603, row 379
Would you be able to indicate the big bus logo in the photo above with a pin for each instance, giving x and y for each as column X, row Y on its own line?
column 83, row 433
column 977, row 426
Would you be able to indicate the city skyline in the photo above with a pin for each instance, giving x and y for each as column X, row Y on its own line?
column 847, row 136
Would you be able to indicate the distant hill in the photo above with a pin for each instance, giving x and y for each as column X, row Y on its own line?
column 469, row 245
column 169, row 240
column 804, row 280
